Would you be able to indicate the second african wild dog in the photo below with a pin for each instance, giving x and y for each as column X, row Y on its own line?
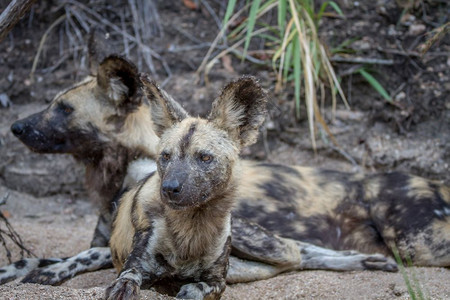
column 327, row 208
column 176, row 224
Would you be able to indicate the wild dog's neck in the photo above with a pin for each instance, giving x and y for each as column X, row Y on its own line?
column 106, row 169
column 196, row 230
column 137, row 132
column 105, row 174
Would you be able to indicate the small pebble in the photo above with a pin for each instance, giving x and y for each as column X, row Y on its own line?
column 416, row 29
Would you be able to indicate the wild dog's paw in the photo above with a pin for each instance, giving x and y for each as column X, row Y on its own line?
column 192, row 291
column 380, row 262
column 123, row 289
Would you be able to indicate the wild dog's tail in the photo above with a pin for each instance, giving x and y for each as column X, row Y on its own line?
column 25, row 266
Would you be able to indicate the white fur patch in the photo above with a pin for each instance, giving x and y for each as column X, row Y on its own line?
column 443, row 212
column 116, row 89
column 138, row 169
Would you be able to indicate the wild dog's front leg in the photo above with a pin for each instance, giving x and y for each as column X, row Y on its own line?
column 316, row 258
column 126, row 286
column 102, row 231
column 211, row 284
column 140, row 266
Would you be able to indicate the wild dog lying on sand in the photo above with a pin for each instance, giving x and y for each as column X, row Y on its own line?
column 328, row 208
column 176, row 224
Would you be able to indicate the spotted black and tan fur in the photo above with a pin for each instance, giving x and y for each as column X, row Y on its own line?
column 174, row 228
column 103, row 123
column 341, row 211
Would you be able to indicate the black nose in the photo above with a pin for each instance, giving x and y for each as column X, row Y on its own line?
column 17, row 128
column 171, row 187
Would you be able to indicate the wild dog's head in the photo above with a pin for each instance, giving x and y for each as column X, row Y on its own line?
column 198, row 156
column 82, row 118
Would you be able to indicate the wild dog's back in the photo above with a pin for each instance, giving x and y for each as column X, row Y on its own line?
column 413, row 215
column 344, row 211
column 317, row 206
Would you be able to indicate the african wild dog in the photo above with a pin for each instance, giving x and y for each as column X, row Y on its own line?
column 103, row 123
column 174, row 227
column 327, row 208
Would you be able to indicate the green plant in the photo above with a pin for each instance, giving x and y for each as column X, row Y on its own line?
column 375, row 84
column 345, row 48
column 412, row 284
column 294, row 45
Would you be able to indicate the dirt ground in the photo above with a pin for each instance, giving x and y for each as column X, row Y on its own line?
column 49, row 208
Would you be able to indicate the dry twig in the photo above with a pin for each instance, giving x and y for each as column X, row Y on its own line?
column 362, row 60
column 438, row 34
column 139, row 22
column 11, row 234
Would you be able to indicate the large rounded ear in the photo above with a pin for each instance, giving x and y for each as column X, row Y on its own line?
column 119, row 80
column 164, row 109
column 240, row 110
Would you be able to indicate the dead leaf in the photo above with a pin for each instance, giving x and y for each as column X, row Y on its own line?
column 190, row 4
column 6, row 213
column 226, row 62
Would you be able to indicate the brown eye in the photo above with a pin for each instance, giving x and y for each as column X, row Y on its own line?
column 165, row 156
column 65, row 108
column 206, row 158
column 68, row 110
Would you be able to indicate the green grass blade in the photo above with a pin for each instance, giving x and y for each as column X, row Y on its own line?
column 272, row 29
column 251, row 23
column 270, row 38
column 307, row 6
column 375, row 84
column 241, row 29
column 229, row 11
column 287, row 62
column 399, row 261
column 336, row 7
column 297, row 74
column 414, row 279
column 282, row 9
column 344, row 46
column 322, row 10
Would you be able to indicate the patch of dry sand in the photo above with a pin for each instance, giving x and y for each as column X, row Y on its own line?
column 57, row 235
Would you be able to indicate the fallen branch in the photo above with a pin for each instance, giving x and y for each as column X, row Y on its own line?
column 362, row 60
column 399, row 52
column 12, row 14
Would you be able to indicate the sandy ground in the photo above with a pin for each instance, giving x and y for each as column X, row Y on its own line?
column 62, row 230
